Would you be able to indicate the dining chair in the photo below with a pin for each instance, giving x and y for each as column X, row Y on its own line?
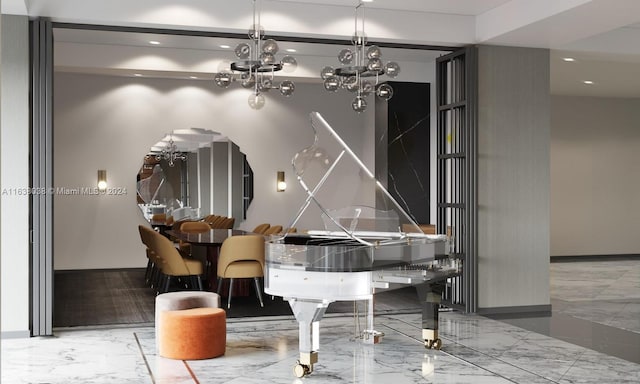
column 228, row 223
column 151, row 258
column 210, row 219
column 428, row 229
column 261, row 228
column 241, row 257
column 159, row 217
column 174, row 268
column 273, row 230
column 154, row 263
column 191, row 227
column 194, row 227
column 217, row 222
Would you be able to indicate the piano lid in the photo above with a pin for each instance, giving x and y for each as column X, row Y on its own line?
column 344, row 192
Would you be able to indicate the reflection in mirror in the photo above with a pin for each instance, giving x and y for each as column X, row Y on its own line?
column 155, row 186
column 192, row 173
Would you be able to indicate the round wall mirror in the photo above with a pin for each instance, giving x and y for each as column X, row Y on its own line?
column 192, row 173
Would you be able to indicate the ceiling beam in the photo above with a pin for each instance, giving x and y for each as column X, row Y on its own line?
column 553, row 23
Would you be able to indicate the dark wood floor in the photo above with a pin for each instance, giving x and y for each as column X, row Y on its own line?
column 119, row 297
column 101, row 297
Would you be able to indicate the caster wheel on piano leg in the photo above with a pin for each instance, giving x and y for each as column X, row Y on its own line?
column 433, row 344
column 301, row 370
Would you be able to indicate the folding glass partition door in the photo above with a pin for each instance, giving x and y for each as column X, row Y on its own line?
column 456, row 158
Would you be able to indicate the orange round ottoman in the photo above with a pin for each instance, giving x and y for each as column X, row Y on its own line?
column 192, row 334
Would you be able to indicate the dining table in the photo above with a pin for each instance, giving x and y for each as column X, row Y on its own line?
column 211, row 241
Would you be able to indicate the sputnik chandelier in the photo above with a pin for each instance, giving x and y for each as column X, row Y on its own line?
column 257, row 65
column 170, row 153
column 362, row 68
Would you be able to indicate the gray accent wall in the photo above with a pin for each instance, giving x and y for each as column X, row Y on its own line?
column 513, row 178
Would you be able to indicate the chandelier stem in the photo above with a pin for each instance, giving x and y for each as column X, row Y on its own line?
column 256, row 17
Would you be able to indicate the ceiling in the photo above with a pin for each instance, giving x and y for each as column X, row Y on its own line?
column 457, row 7
column 190, row 57
column 602, row 39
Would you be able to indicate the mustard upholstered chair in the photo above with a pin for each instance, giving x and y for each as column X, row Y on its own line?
column 261, row 228
column 175, row 268
column 153, row 262
column 227, row 223
column 241, row 257
column 195, row 227
column 215, row 221
column 273, row 230
column 209, row 218
column 191, row 227
column 159, row 217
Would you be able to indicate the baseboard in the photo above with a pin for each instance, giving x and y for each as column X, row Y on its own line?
column 516, row 311
column 15, row 334
column 574, row 258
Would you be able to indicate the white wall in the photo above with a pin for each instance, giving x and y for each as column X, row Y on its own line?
column 15, row 176
column 595, row 176
column 103, row 122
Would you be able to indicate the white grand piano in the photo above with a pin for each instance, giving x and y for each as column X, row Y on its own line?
column 365, row 243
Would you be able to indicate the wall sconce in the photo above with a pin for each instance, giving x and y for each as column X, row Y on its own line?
column 281, row 184
column 102, row 179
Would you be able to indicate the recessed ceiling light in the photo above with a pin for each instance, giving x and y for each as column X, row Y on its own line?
column 225, row 46
column 588, row 82
column 137, row 74
column 193, row 77
column 367, row 1
column 290, row 50
column 153, row 42
column 568, row 59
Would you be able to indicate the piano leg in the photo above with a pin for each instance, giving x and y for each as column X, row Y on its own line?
column 430, row 295
column 370, row 335
column 308, row 314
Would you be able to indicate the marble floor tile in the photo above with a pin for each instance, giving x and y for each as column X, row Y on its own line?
column 604, row 292
column 96, row 356
column 475, row 349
